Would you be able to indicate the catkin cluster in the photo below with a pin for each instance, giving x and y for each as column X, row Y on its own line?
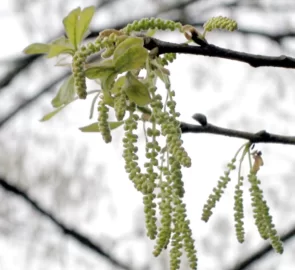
column 263, row 219
column 162, row 172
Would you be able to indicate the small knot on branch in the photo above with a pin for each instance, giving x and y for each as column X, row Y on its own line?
column 201, row 118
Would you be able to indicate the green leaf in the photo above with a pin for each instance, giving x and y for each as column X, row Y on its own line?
column 108, row 81
column 37, row 48
column 126, row 44
column 48, row 116
column 70, row 25
column 90, row 128
column 129, row 55
column 101, row 70
column 136, row 90
column 114, row 125
column 56, row 50
column 106, row 73
column 94, row 127
column 118, row 85
column 65, row 94
column 106, row 86
column 83, row 23
column 60, row 46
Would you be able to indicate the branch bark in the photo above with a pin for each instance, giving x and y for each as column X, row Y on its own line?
column 254, row 60
column 259, row 137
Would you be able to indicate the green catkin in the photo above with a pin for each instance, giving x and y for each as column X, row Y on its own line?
column 263, row 219
column 130, row 151
column 150, row 215
column 120, row 105
column 220, row 23
column 239, row 212
column 165, row 207
column 152, row 23
column 167, row 58
column 171, row 129
column 103, row 122
column 180, row 217
column 79, row 60
column 217, row 191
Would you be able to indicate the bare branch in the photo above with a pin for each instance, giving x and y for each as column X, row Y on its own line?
column 259, row 137
column 79, row 237
column 254, row 60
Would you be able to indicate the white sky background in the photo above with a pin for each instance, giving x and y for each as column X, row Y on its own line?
column 230, row 94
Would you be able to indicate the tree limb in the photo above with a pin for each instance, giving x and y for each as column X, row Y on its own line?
column 254, row 60
column 259, row 137
column 79, row 237
column 248, row 261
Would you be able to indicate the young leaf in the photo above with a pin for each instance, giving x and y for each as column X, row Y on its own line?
column 95, row 128
column 130, row 54
column 83, row 23
column 37, row 48
column 70, row 24
column 126, row 44
column 103, row 69
column 114, row 125
column 51, row 114
column 107, row 84
column 56, row 50
column 134, row 58
column 60, row 46
column 118, row 85
column 65, row 94
column 136, row 90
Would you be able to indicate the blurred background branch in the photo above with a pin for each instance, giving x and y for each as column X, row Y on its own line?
column 75, row 234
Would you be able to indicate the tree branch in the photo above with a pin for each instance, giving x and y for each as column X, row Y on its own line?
column 259, row 137
column 79, row 237
column 254, row 60
column 262, row 252
column 27, row 102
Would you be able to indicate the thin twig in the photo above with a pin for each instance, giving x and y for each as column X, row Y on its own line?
column 259, row 137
